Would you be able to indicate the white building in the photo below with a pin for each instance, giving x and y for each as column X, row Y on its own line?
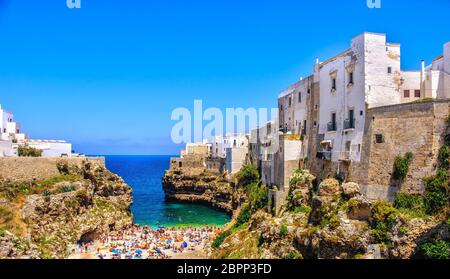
column 436, row 77
column 9, row 130
column 235, row 159
column 219, row 144
column 11, row 137
column 367, row 75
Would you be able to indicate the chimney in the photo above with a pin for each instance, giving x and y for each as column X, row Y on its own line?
column 316, row 70
column 422, row 70
column 422, row 78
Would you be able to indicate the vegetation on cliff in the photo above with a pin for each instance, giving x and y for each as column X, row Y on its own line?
column 27, row 151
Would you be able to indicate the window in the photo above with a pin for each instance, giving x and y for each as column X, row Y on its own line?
column 348, row 144
column 290, row 101
column 309, row 90
column 417, row 93
column 351, row 119
column 361, row 113
column 379, row 138
column 389, row 70
column 299, row 97
column 333, row 84
column 332, row 125
column 406, row 93
column 350, row 78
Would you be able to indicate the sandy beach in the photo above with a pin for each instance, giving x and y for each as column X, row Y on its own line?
column 137, row 242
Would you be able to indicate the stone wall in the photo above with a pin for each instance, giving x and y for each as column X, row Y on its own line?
column 419, row 128
column 28, row 168
column 188, row 162
column 415, row 127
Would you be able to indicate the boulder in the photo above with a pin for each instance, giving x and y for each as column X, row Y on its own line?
column 351, row 189
column 329, row 188
column 359, row 209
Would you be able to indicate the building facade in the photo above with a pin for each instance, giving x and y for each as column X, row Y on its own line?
column 11, row 138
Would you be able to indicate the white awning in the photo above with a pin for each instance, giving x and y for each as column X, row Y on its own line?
column 326, row 142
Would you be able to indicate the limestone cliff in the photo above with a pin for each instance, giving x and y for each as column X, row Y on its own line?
column 331, row 221
column 41, row 219
column 202, row 187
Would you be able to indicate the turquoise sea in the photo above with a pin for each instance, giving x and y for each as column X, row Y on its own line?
column 143, row 174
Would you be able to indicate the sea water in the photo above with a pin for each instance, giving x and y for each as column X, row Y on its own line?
column 144, row 174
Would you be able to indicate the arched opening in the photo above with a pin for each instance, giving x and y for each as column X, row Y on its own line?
column 88, row 237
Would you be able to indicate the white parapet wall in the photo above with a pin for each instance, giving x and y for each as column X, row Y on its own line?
column 6, row 149
column 235, row 159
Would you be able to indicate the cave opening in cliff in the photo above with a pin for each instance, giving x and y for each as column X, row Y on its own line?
column 89, row 237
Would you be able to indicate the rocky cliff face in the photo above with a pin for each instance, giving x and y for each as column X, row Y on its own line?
column 42, row 219
column 202, row 187
column 332, row 222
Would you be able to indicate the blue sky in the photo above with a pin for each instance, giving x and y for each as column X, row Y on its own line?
column 107, row 76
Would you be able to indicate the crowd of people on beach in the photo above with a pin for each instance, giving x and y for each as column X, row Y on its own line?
column 136, row 242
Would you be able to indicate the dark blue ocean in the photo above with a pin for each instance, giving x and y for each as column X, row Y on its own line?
column 143, row 174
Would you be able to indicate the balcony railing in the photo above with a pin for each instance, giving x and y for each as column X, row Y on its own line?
column 349, row 124
column 331, row 127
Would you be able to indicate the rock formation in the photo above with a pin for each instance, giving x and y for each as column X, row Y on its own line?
column 202, row 187
column 48, row 216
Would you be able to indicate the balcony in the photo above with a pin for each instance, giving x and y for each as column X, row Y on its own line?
column 348, row 156
column 331, row 127
column 349, row 124
column 324, row 155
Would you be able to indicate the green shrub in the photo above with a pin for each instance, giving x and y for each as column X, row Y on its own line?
column 294, row 255
column 384, row 217
column 401, row 166
column 258, row 195
column 436, row 250
column 444, row 156
column 27, row 151
column 244, row 216
column 302, row 209
column 413, row 204
column 435, row 201
column 423, row 100
column 403, row 230
column 436, row 196
column 2, row 232
column 220, row 239
column 284, row 230
column 247, row 175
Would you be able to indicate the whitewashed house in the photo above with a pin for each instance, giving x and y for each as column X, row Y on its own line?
column 11, row 137
column 219, row 144
column 436, row 77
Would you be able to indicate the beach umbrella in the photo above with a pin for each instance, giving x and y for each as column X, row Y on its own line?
column 185, row 244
